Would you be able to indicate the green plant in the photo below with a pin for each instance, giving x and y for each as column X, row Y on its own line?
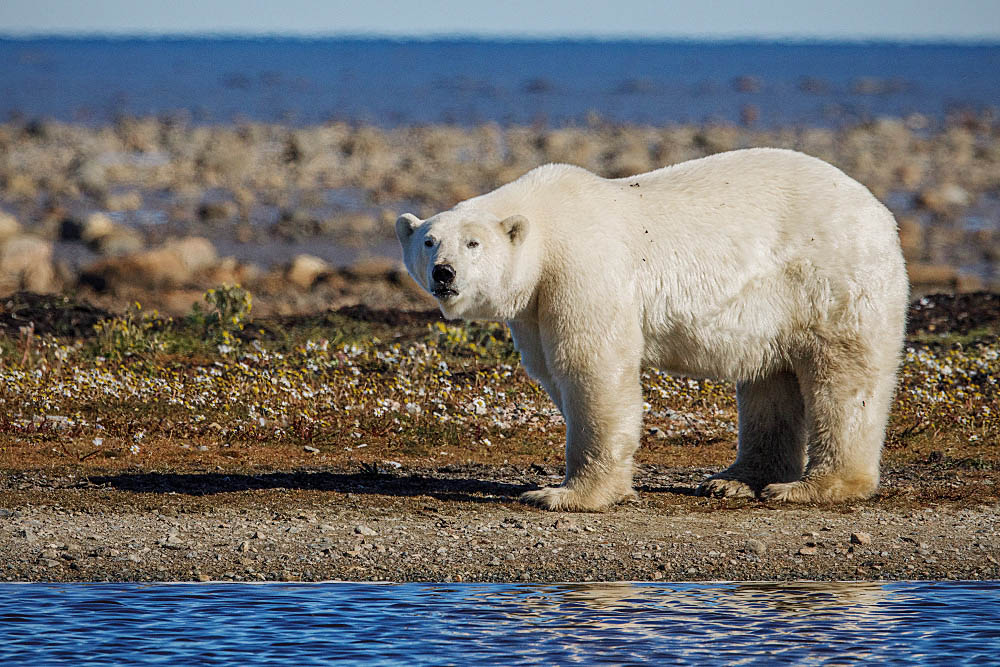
column 488, row 340
column 136, row 332
column 228, row 312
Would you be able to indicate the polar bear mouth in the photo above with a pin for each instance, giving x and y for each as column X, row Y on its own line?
column 444, row 293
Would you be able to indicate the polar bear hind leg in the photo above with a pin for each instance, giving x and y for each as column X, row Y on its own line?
column 847, row 397
column 772, row 438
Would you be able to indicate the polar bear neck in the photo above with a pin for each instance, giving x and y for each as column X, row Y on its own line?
column 534, row 196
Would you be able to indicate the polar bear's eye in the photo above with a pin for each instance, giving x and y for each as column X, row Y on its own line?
column 429, row 243
column 472, row 244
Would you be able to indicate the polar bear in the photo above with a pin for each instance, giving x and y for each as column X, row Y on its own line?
column 766, row 267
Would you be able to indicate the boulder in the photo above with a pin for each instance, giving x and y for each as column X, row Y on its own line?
column 945, row 199
column 174, row 264
column 119, row 241
column 305, row 270
column 95, row 226
column 9, row 226
column 89, row 229
column 26, row 264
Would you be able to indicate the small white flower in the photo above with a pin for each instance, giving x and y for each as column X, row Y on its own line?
column 98, row 442
column 134, row 449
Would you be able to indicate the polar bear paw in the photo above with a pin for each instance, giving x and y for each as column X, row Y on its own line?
column 822, row 489
column 567, row 499
column 791, row 492
column 725, row 488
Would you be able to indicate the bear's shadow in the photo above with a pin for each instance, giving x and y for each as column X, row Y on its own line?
column 377, row 483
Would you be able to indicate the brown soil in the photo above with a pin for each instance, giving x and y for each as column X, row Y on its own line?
column 279, row 512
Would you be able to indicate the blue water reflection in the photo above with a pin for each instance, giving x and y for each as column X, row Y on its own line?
column 414, row 624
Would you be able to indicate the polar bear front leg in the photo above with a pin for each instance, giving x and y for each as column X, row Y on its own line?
column 603, row 415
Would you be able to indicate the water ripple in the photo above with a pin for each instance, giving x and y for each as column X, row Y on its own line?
column 417, row 624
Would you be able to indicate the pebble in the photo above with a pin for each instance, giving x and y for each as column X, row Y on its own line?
column 861, row 538
column 564, row 524
column 756, row 547
column 362, row 529
column 808, row 551
column 172, row 540
column 311, row 450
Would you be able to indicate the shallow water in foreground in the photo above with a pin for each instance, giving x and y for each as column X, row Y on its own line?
column 676, row 623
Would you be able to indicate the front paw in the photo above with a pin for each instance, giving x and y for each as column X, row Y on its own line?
column 725, row 488
column 571, row 500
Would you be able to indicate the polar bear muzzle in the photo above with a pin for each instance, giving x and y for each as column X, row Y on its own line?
column 443, row 276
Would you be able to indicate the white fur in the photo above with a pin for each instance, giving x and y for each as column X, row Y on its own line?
column 766, row 267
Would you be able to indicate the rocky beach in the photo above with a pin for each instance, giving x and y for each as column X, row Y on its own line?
column 157, row 211
column 321, row 421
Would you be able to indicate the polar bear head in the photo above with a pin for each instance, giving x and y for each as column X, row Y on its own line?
column 466, row 259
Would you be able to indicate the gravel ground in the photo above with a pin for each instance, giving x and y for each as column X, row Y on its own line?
column 462, row 523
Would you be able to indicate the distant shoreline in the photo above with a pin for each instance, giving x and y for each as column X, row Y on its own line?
column 452, row 38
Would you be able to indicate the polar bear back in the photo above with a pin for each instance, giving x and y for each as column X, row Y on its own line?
column 722, row 259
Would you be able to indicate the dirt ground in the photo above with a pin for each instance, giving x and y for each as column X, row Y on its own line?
column 281, row 511
column 462, row 523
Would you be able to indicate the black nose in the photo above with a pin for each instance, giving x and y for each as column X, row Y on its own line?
column 443, row 273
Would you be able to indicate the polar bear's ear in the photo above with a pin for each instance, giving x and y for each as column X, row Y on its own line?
column 405, row 224
column 515, row 227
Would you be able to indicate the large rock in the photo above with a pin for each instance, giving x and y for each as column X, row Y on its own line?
column 305, row 270
column 95, row 226
column 945, row 199
column 88, row 229
column 119, row 241
column 26, row 264
column 174, row 264
column 9, row 226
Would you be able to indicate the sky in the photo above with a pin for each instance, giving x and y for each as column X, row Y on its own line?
column 713, row 19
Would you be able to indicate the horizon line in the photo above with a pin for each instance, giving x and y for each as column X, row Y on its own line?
column 722, row 38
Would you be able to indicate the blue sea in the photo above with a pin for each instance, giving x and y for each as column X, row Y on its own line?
column 902, row 623
column 465, row 81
